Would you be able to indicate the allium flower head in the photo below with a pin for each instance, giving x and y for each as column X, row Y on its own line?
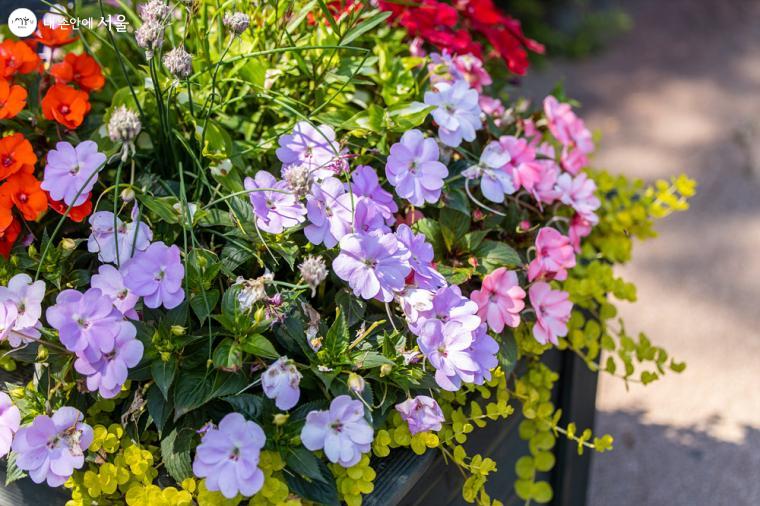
column 413, row 168
column 155, row 10
column 179, row 62
column 579, row 192
column 313, row 271
column 312, row 147
column 156, row 275
column 237, row 22
column 280, row 382
column 111, row 282
column 126, row 237
column 374, row 265
column 329, row 210
column 10, row 419
column 554, row 255
column 228, row 457
column 298, row 178
column 500, row 299
column 275, row 206
column 71, row 172
column 342, row 431
column 552, row 309
column 150, row 37
column 457, row 112
column 52, row 447
column 124, row 125
column 421, row 413
column 421, row 258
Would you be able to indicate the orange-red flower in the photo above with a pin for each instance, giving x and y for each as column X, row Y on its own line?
column 23, row 190
column 54, row 37
column 77, row 213
column 6, row 217
column 16, row 155
column 12, row 99
column 81, row 69
column 8, row 237
column 66, row 105
column 17, row 58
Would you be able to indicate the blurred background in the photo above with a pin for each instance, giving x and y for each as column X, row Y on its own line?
column 674, row 86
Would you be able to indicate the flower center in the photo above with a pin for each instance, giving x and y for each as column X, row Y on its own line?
column 337, row 426
column 235, row 455
column 122, row 294
column 7, row 161
column 160, row 275
column 85, row 324
column 23, row 197
column 64, row 109
column 74, row 170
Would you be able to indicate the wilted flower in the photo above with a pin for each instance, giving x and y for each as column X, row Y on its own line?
column 275, row 207
column 71, row 172
column 52, row 447
column 280, row 382
column 552, row 309
column 457, row 112
column 115, row 241
column 413, row 168
column 342, row 431
column 313, row 271
column 554, row 255
column 500, row 299
column 156, row 275
column 421, row 414
column 85, row 320
column 179, row 62
column 228, row 457
column 237, row 22
column 252, row 290
column 10, row 419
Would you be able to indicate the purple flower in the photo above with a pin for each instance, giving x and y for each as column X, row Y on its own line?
column 374, row 264
column 127, row 237
column 415, row 301
column 368, row 217
column 107, row 372
column 52, row 447
column 457, row 112
column 312, row 147
column 328, row 209
column 85, row 320
column 421, row 259
column 156, row 275
column 483, row 350
column 280, row 382
column 342, row 432
column 110, row 281
column 276, row 208
column 421, row 414
column 413, row 168
column 71, row 173
column 449, row 305
column 446, row 346
column 228, row 457
column 494, row 182
column 10, row 419
column 364, row 183
column 20, row 309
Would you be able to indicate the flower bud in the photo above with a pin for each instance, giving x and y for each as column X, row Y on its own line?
column 124, row 125
column 313, row 271
column 178, row 330
column 68, row 244
column 356, row 383
column 385, row 370
column 280, row 419
column 128, row 194
column 237, row 22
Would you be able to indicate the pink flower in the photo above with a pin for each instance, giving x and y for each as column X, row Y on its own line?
column 552, row 309
column 500, row 299
column 544, row 190
column 573, row 160
column 492, row 108
column 554, row 254
column 566, row 127
column 579, row 228
column 471, row 68
column 522, row 166
column 579, row 193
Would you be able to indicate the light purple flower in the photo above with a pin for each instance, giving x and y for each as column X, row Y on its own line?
column 342, row 431
column 71, row 172
column 10, row 419
column 483, row 351
column 127, row 237
column 421, row 414
column 52, row 447
column 449, row 305
column 276, row 207
column 364, row 183
column 374, row 265
column 85, row 320
column 421, row 259
column 27, row 296
column 107, row 372
column 280, row 382
column 413, row 168
column 329, row 210
column 110, row 281
column 312, row 147
column 494, row 182
column 414, row 302
column 228, row 457
column 457, row 111
column 156, row 275
column 369, row 217
column 446, row 346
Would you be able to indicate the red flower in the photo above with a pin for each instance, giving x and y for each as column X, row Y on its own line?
column 16, row 155
column 81, row 69
column 17, row 58
column 8, row 237
column 54, row 37
column 77, row 213
column 66, row 105
column 12, row 99
column 337, row 8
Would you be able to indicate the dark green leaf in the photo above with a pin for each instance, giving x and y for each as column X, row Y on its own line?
column 175, row 454
column 352, row 307
column 163, row 374
column 494, row 254
column 248, row 404
column 337, row 338
column 228, row 355
column 305, row 463
column 320, row 492
column 259, row 346
column 507, row 352
column 158, row 407
column 204, row 303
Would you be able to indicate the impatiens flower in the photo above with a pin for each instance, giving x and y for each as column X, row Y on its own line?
column 76, row 213
column 280, row 382
column 483, row 350
column 421, row 259
column 552, row 309
column 364, row 183
column 342, row 431
column 275, row 206
column 544, row 188
column 27, row 296
column 472, row 70
column 17, row 58
column 16, row 154
column 10, row 419
column 368, row 217
column 421, row 414
column 554, row 255
column 579, row 192
column 312, row 147
column 500, row 299
column 446, row 348
column 492, row 108
column 107, row 372
column 71, row 172
column 329, row 210
column 494, row 182
column 111, row 283
column 374, row 265
column 449, row 305
column 228, row 457
column 12, row 99
column 522, row 166
column 156, row 275
column 85, row 320
column 50, row 448
column 8, row 236
column 66, row 105
column 115, row 241
column 24, row 191
column 415, row 301
column 579, row 228
column 573, row 160
column 566, row 127
column 457, row 112
column 80, row 69
column 413, row 168
column 54, row 36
